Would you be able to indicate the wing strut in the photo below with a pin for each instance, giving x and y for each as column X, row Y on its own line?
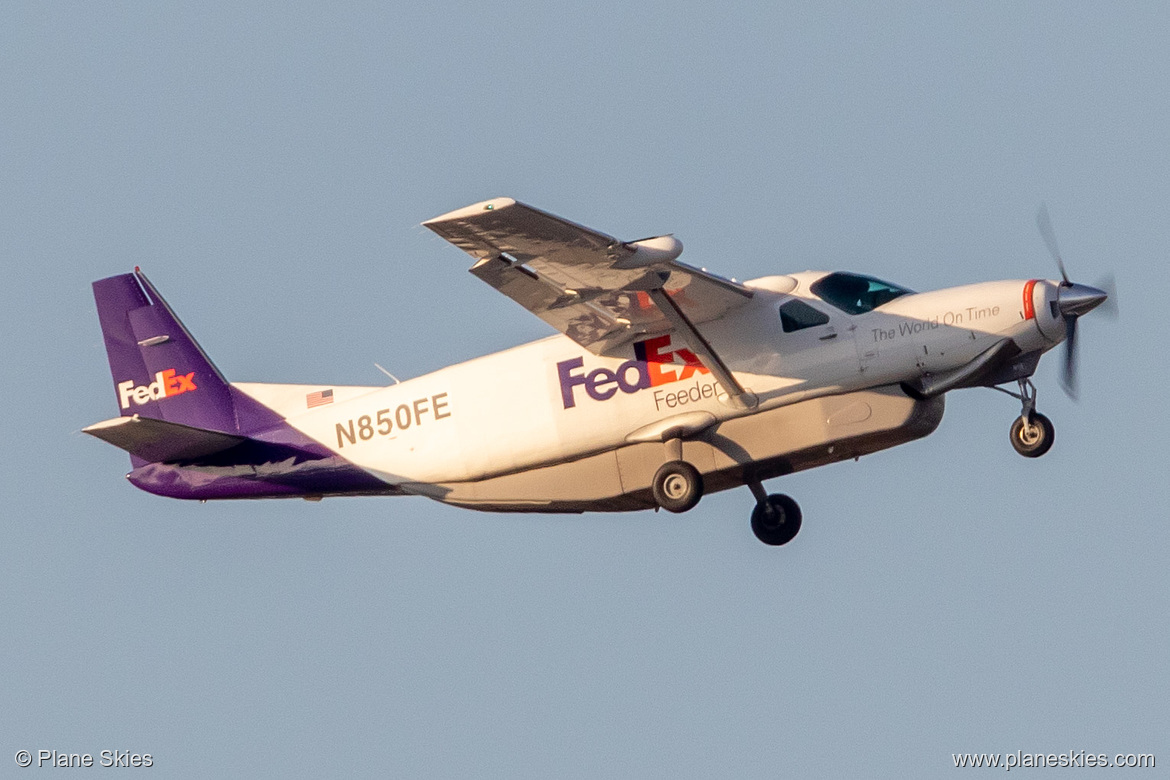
column 737, row 395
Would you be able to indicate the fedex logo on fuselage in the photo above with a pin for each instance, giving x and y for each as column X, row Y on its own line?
column 165, row 384
column 653, row 365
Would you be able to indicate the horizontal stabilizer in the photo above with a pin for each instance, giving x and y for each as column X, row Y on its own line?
column 159, row 441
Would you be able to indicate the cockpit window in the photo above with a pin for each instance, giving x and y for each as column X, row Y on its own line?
column 856, row 293
column 797, row 315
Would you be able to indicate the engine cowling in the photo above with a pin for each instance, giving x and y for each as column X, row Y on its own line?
column 1041, row 298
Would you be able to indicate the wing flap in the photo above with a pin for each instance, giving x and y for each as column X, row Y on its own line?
column 597, row 319
column 586, row 284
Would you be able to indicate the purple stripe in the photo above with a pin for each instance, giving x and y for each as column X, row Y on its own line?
column 324, row 477
column 261, row 469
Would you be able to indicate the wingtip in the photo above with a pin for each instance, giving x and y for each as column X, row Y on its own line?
column 469, row 211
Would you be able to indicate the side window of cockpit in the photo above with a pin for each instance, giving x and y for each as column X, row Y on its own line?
column 797, row 315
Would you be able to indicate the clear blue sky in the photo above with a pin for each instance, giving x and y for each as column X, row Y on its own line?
column 268, row 166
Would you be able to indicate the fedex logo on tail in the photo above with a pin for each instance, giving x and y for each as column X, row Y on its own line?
column 165, row 384
column 653, row 365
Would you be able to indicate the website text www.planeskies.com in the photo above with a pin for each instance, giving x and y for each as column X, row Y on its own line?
column 1070, row 759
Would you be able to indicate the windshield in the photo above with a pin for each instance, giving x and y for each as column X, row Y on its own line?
column 856, row 293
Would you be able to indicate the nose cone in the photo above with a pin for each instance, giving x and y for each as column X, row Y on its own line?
column 1077, row 299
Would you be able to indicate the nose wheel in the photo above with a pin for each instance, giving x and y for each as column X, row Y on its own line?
column 1032, row 433
column 1032, row 436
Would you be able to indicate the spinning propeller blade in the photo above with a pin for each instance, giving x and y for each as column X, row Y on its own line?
column 1045, row 224
column 1068, row 378
column 1073, row 300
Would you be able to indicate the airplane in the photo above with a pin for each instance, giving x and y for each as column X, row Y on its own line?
column 665, row 382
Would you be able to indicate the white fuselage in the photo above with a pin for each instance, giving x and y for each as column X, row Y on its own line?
column 552, row 401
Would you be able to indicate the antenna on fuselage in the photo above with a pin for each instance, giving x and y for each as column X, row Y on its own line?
column 397, row 381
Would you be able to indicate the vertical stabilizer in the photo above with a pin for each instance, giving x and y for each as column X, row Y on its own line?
column 159, row 370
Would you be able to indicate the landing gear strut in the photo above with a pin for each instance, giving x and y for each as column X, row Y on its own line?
column 1032, row 433
column 776, row 518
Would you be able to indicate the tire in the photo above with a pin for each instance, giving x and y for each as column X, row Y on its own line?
column 677, row 486
column 1035, row 439
column 776, row 520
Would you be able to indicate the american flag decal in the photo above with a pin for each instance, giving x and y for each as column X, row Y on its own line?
column 319, row 398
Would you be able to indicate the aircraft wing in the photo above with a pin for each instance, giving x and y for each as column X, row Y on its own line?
column 588, row 285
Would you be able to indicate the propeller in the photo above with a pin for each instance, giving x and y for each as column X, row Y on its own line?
column 1068, row 377
column 1074, row 300
column 1044, row 222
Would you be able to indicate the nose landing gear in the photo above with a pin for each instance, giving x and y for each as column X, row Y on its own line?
column 1032, row 436
column 1032, row 433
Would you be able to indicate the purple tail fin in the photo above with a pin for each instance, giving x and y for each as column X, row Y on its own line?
column 159, row 370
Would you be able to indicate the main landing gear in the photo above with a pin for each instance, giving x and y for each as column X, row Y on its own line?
column 678, row 486
column 776, row 518
column 1032, row 433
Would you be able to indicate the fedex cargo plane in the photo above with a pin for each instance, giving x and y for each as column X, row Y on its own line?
column 665, row 382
